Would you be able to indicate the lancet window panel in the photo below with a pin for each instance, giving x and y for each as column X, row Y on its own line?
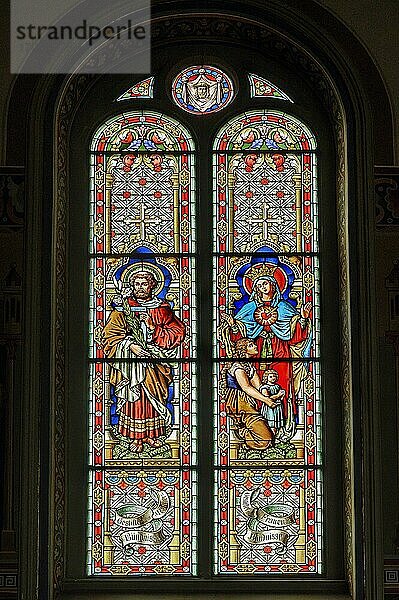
column 112, row 415
column 266, row 197
column 268, row 406
column 265, row 185
column 113, row 277
column 235, row 280
column 142, row 352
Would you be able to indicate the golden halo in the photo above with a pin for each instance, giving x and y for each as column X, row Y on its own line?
column 262, row 269
column 141, row 267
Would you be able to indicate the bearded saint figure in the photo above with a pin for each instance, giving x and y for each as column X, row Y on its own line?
column 145, row 327
column 280, row 332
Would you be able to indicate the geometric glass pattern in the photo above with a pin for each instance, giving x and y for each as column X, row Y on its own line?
column 203, row 89
column 141, row 522
column 142, row 350
column 268, row 521
column 142, row 89
column 267, row 384
column 262, row 88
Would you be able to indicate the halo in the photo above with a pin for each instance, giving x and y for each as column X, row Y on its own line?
column 140, row 267
column 260, row 270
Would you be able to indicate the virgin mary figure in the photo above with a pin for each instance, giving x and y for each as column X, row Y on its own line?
column 280, row 332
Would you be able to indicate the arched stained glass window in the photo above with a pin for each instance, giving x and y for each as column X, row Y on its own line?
column 260, row 364
column 142, row 416
column 268, row 417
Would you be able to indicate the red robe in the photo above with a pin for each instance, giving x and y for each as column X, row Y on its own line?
column 140, row 420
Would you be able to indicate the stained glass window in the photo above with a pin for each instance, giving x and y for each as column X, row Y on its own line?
column 267, row 407
column 267, row 382
column 142, row 89
column 201, row 90
column 262, row 88
column 142, row 362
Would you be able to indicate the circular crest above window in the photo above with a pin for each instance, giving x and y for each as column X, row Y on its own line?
column 202, row 90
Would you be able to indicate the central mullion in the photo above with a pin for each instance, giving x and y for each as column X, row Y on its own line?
column 204, row 216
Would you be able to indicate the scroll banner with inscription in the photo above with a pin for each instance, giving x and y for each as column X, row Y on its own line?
column 265, row 524
column 144, row 523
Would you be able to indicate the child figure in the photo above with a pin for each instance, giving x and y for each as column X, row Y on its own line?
column 274, row 392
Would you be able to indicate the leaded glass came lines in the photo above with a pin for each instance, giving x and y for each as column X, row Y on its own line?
column 267, row 377
column 267, row 463
column 262, row 88
column 142, row 365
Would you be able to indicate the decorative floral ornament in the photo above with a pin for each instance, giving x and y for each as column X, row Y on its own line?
column 262, row 88
column 142, row 89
